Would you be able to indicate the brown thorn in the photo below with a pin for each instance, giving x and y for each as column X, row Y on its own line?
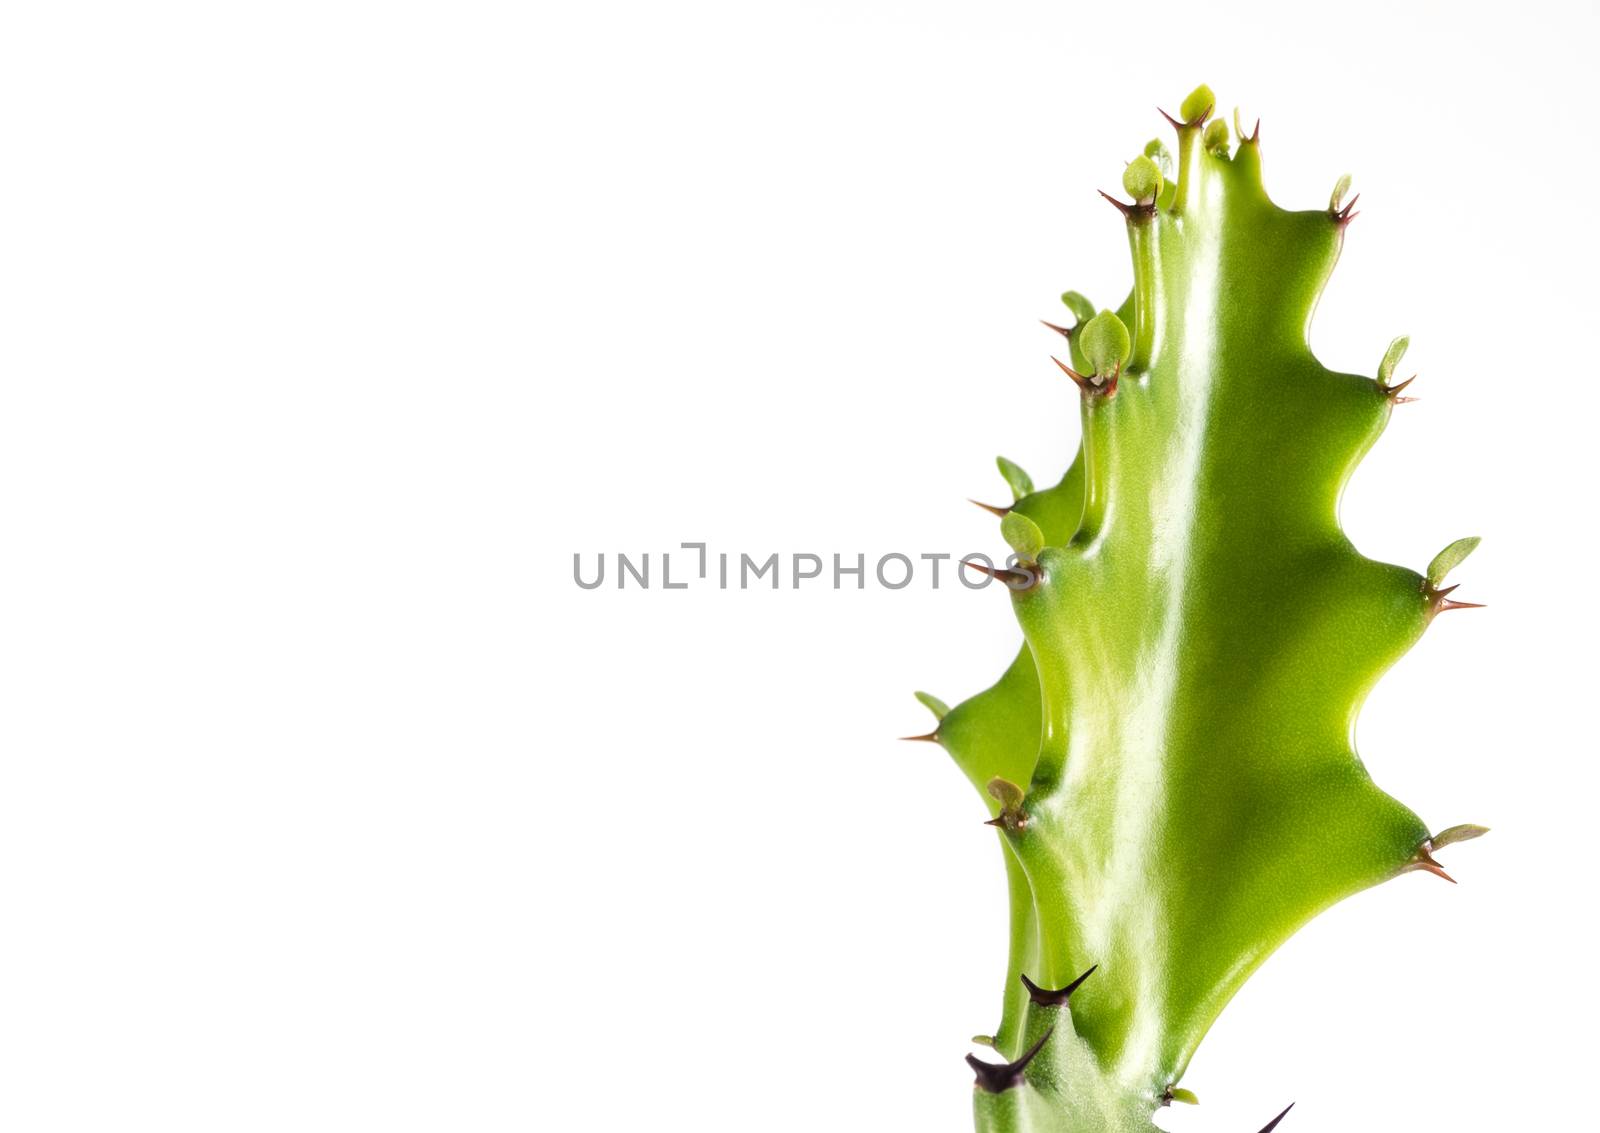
column 994, row 1078
column 1255, row 135
column 1083, row 383
column 1176, row 125
column 1125, row 210
column 1064, row 332
column 1346, row 214
column 1045, row 997
column 1424, row 861
column 1002, row 512
column 1015, row 579
column 932, row 738
column 1393, row 392
column 1452, row 604
column 1273, row 1124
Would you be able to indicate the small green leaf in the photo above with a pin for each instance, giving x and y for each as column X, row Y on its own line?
column 1200, row 100
column 1340, row 188
column 1451, row 557
column 1023, row 534
column 1216, row 137
column 1078, row 305
column 1021, row 483
column 1006, row 793
column 1105, row 342
column 983, row 1040
column 1157, row 153
column 1466, row 832
column 1187, row 1097
column 1391, row 358
column 1142, row 179
column 933, row 704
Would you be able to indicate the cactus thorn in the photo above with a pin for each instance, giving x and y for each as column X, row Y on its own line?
column 1393, row 392
column 997, row 1078
column 1273, row 1124
column 1439, row 599
column 1064, row 332
column 932, row 738
column 1424, row 860
column 1044, row 997
column 1015, row 579
column 1091, row 387
column 1002, row 512
column 1132, row 213
column 1343, row 216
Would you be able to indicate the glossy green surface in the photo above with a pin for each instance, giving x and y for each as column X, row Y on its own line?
column 1197, row 647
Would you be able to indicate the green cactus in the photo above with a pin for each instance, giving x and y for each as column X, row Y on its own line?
column 1168, row 761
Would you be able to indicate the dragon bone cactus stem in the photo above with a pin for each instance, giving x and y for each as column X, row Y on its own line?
column 1168, row 761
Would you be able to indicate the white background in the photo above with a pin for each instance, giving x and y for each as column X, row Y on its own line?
column 332, row 331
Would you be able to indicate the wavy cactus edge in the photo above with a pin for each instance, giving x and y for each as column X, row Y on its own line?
column 1168, row 761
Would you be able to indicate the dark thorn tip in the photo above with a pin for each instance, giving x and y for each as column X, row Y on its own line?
column 997, row 1078
column 1064, row 332
column 1273, row 1124
column 931, row 738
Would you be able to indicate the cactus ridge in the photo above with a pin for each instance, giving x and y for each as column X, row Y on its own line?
column 1169, row 758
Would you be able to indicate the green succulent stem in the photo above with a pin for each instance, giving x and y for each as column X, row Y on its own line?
column 1168, row 761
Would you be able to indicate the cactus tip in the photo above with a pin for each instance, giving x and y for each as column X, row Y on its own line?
column 997, row 1078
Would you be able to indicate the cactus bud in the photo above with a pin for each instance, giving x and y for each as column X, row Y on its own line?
column 1104, row 341
column 1142, row 180
column 1081, row 308
column 1157, row 153
column 1391, row 358
column 1466, row 832
column 1340, row 188
column 1451, row 557
column 1197, row 105
column 1021, row 483
column 1216, row 137
column 1023, row 535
